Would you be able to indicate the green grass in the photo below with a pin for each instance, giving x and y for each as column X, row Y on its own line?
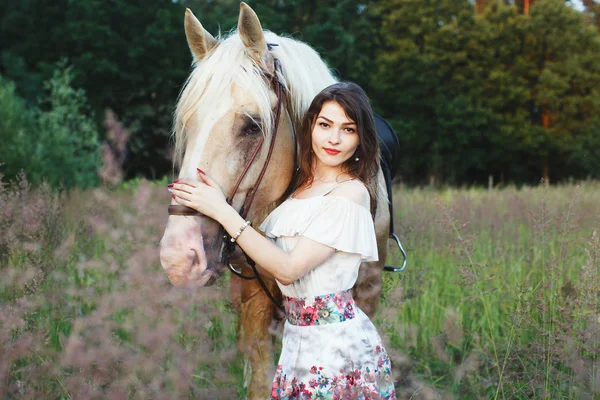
column 519, row 254
column 500, row 298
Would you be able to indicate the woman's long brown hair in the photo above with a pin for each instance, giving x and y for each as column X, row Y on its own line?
column 356, row 104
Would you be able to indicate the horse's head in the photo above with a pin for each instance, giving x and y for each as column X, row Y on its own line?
column 227, row 105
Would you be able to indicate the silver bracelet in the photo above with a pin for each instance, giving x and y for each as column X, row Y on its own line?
column 238, row 233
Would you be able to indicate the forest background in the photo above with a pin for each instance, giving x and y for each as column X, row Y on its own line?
column 500, row 296
column 508, row 89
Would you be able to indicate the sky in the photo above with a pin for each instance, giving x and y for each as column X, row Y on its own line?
column 577, row 4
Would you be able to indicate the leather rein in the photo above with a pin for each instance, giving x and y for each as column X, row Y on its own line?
column 228, row 247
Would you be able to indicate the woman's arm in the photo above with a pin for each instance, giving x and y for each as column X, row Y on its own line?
column 207, row 198
column 285, row 267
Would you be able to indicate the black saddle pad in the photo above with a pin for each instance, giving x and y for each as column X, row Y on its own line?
column 389, row 146
column 390, row 157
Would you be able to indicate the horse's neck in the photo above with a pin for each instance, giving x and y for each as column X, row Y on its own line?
column 260, row 216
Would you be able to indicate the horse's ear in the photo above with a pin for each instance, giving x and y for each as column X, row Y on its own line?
column 251, row 31
column 199, row 40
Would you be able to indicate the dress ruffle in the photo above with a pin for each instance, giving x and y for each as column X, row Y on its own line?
column 334, row 221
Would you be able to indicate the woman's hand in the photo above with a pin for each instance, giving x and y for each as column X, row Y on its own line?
column 204, row 195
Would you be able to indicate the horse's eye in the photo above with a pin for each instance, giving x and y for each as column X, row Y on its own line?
column 251, row 129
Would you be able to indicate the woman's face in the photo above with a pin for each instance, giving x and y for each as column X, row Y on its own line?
column 334, row 135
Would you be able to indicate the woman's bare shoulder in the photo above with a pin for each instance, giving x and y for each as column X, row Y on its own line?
column 354, row 191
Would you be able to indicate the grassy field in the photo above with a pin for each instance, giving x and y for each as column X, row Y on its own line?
column 501, row 298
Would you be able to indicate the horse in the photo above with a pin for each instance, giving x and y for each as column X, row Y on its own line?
column 246, row 90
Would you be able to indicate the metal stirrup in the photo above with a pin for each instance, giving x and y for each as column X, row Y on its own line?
column 390, row 268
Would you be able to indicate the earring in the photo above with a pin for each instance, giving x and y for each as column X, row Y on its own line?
column 356, row 159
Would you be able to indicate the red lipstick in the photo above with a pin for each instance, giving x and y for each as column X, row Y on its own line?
column 333, row 152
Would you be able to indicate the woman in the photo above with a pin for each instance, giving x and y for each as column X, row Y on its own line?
column 318, row 238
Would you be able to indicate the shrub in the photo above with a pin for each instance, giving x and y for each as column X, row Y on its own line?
column 16, row 127
column 57, row 143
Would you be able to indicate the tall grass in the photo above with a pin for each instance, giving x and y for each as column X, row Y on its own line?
column 500, row 299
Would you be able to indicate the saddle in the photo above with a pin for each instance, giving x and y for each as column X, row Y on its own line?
column 389, row 145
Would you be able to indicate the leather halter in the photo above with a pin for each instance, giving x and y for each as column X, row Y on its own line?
column 187, row 211
column 228, row 247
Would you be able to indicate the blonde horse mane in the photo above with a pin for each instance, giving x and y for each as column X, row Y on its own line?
column 304, row 74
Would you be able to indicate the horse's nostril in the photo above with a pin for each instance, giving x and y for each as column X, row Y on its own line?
column 195, row 257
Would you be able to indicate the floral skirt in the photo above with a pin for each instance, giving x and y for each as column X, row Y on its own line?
column 331, row 350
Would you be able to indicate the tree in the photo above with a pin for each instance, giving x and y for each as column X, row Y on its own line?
column 563, row 72
column 524, row 5
column 132, row 58
column 592, row 8
column 509, row 90
column 430, row 78
column 57, row 143
column 495, row 92
column 342, row 31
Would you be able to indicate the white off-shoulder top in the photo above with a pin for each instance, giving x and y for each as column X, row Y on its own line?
column 334, row 221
